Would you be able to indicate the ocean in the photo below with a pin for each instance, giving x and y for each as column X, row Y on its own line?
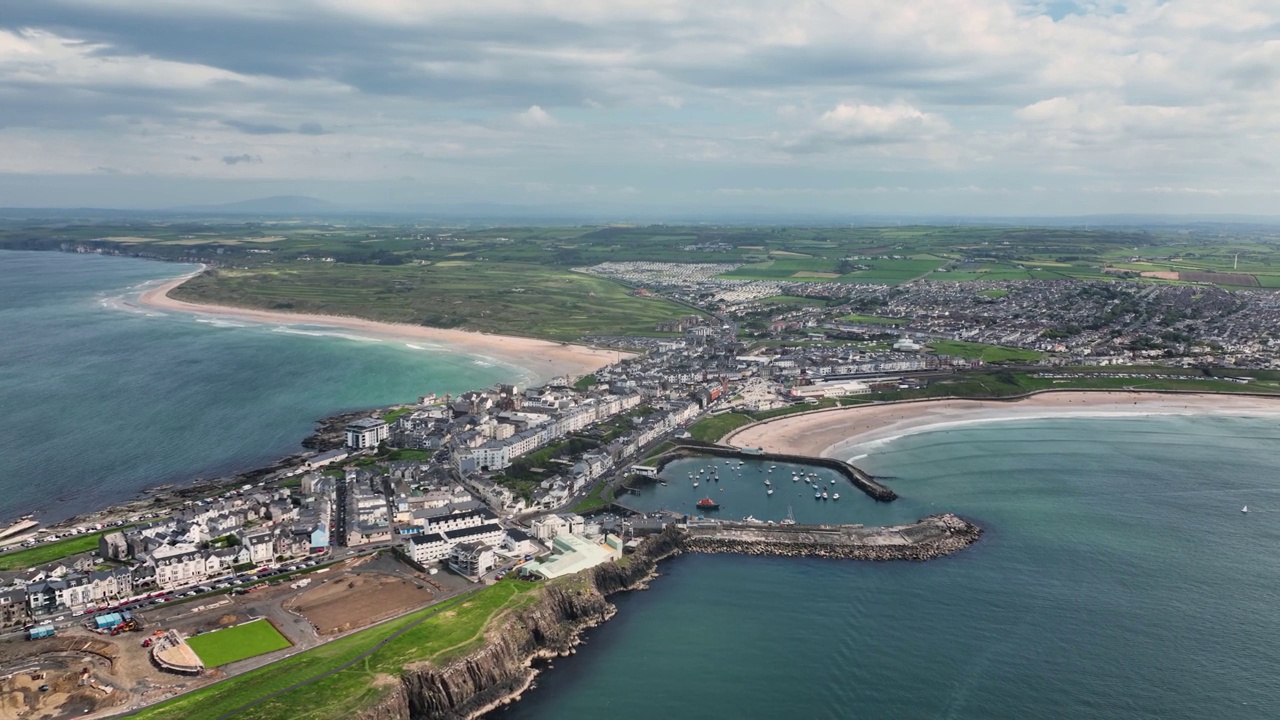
column 102, row 399
column 1117, row 579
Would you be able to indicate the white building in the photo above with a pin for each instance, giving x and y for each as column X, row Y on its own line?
column 367, row 433
column 832, row 388
column 471, row 559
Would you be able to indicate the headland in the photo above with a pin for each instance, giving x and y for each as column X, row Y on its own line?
column 544, row 358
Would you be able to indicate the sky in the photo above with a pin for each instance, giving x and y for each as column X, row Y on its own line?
column 981, row 107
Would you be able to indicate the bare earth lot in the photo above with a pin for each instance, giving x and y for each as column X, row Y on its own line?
column 359, row 599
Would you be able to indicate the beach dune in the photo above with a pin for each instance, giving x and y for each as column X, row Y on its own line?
column 544, row 358
column 833, row 433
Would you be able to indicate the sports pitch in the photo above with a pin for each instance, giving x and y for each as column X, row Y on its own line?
column 237, row 643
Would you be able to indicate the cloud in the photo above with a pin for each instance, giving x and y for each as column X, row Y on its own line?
column 249, row 128
column 535, row 117
column 675, row 96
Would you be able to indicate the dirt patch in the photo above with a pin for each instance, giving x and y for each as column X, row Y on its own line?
column 1160, row 275
column 59, row 687
column 1237, row 279
column 351, row 601
column 813, row 274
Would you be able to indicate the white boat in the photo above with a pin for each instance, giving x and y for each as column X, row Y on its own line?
column 766, row 482
column 824, row 494
column 833, row 482
column 695, row 483
column 773, row 467
column 836, row 496
column 1244, row 509
column 769, row 491
column 795, row 479
column 817, row 496
column 791, row 517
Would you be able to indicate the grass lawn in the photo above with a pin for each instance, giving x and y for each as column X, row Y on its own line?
column 987, row 353
column 395, row 414
column 237, row 643
column 49, row 552
column 874, row 320
column 599, row 496
column 714, row 427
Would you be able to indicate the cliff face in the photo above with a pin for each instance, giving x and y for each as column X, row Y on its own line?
column 501, row 668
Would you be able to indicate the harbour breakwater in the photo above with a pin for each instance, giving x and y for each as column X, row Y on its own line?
column 859, row 479
column 926, row 539
column 504, row 666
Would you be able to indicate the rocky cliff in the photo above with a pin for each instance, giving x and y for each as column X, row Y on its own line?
column 500, row 669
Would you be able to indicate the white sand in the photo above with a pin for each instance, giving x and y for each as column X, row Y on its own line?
column 544, row 358
column 836, row 432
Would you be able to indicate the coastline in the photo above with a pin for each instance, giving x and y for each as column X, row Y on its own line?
column 833, row 433
column 543, row 358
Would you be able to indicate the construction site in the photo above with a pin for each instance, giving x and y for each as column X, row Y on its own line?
column 114, row 662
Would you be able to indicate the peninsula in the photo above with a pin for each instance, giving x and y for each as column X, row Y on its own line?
column 544, row 358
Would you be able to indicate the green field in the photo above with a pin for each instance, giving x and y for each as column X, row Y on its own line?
column 986, row 353
column 48, row 552
column 509, row 299
column 714, row 427
column 874, row 320
column 228, row 645
column 433, row 635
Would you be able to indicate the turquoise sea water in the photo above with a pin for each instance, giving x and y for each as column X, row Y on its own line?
column 102, row 399
column 1117, row 579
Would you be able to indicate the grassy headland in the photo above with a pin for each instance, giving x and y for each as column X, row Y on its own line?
column 504, row 298
column 432, row 635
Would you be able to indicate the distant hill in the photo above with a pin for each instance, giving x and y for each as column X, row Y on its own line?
column 274, row 205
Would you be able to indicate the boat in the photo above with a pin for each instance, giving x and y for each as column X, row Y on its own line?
column 769, row 491
column 695, row 483
column 824, row 494
column 795, row 479
column 836, row 496
column 791, row 517
column 817, row 496
column 771, row 467
column 716, row 478
column 1244, row 509
column 663, row 483
column 707, row 503
column 766, row 482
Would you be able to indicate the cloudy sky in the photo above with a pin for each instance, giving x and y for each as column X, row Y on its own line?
column 993, row 107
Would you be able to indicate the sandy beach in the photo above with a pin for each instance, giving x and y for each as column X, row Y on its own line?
column 835, row 433
column 543, row 358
